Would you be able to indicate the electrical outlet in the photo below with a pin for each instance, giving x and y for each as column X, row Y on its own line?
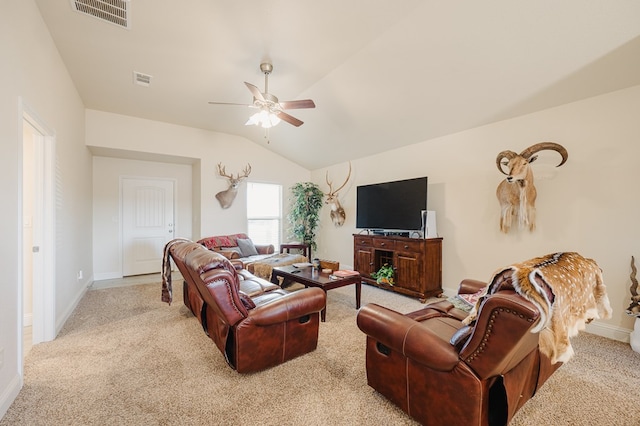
column 80, row 274
column 1, row 358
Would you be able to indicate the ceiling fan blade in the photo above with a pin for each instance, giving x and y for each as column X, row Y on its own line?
column 229, row 103
column 290, row 119
column 305, row 103
column 255, row 91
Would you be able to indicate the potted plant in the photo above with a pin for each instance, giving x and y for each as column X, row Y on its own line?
column 384, row 275
column 304, row 216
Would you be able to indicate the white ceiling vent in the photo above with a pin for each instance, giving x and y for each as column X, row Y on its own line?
column 113, row 11
column 141, row 79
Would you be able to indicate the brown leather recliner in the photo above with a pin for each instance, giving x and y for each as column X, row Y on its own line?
column 254, row 323
column 443, row 373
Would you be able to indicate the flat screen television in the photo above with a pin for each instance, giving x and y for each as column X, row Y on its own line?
column 396, row 205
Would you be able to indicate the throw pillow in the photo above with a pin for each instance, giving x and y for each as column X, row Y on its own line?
column 247, row 247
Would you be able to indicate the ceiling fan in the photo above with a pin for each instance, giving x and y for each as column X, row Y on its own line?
column 271, row 111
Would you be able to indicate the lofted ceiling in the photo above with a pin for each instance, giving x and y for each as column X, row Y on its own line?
column 383, row 74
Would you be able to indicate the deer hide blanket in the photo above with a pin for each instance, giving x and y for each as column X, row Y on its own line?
column 567, row 289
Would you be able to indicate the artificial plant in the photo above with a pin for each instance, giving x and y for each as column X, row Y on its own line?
column 385, row 274
column 304, row 216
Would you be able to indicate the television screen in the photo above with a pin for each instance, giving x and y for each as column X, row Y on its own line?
column 394, row 205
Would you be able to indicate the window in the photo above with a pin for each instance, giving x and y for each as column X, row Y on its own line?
column 264, row 213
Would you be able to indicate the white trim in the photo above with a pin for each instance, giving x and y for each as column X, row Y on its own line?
column 107, row 276
column 610, row 332
column 27, row 320
column 67, row 313
column 10, row 393
column 44, row 314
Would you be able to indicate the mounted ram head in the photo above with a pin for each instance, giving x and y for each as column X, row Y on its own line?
column 517, row 193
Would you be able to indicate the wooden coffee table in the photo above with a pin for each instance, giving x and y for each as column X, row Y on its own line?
column 312, row 278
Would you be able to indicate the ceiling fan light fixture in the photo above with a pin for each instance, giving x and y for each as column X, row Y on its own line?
column 263, row 118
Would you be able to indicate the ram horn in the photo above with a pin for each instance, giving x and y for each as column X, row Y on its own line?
column 504, row 154
column 527, row 153
column 634, row 282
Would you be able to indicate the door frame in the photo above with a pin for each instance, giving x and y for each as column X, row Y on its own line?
column 44, row 312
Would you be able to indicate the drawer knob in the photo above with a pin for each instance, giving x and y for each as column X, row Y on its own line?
column 382, row 244
column 406, row 246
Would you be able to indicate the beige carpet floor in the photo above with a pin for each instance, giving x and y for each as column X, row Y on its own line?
column 125, row 358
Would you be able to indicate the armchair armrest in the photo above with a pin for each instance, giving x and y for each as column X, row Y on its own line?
column 293, row 305
column 238, row 264
column 468, row 286
column 265, row 248
column 406, row 336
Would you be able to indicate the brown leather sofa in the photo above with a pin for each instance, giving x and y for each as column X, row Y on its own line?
column 227, row 245
column 443, row 373
column 254, row 323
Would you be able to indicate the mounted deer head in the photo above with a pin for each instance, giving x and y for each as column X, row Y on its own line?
column 226, row 197
column 337, row 212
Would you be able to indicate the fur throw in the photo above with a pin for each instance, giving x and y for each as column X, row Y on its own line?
column 567, row 289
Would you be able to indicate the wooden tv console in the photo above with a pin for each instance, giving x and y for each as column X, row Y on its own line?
column 417, row 263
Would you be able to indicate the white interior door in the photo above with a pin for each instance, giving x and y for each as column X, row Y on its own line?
column 147, row 223
column 38, row 219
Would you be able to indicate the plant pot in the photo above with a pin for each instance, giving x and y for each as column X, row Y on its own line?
column 634, row 337
column 386, row 281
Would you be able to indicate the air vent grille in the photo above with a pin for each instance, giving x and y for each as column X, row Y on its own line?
column 141, row 79
column 113, row 11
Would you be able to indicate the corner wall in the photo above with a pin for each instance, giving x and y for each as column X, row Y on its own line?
column 107, row 131
column 32, row 72
column 589, row 205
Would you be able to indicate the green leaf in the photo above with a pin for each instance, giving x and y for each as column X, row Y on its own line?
column 306, row 202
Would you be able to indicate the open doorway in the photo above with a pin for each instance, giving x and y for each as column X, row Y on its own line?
column 38, row 231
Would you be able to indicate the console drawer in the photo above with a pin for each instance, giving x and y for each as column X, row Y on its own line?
column 384, row 244
column 363, row 241
column 410, row 246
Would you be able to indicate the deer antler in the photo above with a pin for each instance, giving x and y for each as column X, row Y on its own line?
column 222, row 171
column 331, row 193
column 245, row 172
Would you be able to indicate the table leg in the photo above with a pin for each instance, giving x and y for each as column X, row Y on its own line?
column 358, row 293
column 323, row 312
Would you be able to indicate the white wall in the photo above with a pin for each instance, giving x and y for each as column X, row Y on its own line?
column 31, row 70
column 207, row 149
column 589, row 205
column 107, row 174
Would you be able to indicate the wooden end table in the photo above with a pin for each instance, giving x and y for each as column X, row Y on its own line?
column 304, row 248
column 312, row 278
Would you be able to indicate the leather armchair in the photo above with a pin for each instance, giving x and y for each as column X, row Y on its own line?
column 443, row 373
column 254, row 323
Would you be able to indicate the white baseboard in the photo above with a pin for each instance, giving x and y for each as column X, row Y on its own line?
column 107, row 276
column 608, row 331
column 72, row 306
column 27, row 320
column 10, row 394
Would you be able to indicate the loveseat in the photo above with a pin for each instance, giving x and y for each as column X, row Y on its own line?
column 254, row 323
column 441, row 372
column 239, row 248
column 255, row 258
